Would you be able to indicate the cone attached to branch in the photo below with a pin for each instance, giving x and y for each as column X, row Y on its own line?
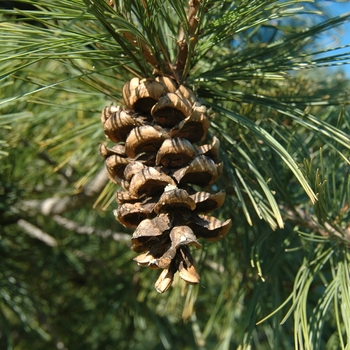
column 157, row 163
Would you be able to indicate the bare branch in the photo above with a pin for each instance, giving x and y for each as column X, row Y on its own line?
column 88, row 230
column 56, row 205
column 301, row 217
column 37, row 233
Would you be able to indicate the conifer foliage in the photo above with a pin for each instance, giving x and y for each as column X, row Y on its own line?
column 196, row 97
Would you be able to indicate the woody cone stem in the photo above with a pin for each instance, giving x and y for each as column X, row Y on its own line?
column 156, row 162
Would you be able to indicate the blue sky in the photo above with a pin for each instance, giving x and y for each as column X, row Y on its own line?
column 344, row 36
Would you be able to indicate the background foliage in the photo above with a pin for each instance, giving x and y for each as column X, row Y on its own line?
column 67, row 279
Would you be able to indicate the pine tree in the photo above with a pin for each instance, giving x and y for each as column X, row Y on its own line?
column 255, row 72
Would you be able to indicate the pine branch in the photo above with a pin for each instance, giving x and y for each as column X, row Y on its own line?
column 37, row 233
column 57, row 206
column 301, row 217
column 88, row 230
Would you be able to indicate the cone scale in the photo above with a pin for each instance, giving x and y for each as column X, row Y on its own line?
column 159, row 156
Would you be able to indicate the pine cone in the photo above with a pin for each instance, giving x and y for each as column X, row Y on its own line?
column 157, row 164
